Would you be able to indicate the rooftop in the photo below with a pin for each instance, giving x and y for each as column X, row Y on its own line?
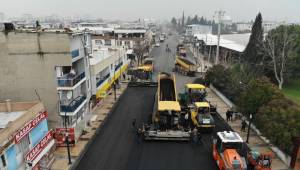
column 229, row 136
column 13, row 116
column 236, row 42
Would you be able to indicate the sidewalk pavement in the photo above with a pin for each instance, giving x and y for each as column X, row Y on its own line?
column 99, row 114
column 255, row 141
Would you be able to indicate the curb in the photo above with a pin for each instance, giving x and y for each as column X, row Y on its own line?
column 83, row 152
column 281, row 155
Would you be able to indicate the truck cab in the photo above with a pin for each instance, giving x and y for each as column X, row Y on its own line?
column 192, row 93
column 201, row 117
column 228, row 151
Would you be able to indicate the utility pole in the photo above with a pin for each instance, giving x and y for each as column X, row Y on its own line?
column 220, row 15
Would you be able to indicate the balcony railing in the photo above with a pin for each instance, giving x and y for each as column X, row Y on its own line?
column 71, row 107
column 118, row 66
column 69, row 81
column 99, row 82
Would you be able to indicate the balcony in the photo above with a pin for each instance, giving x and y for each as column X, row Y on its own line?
column 100, row 81
column 69, row 80
column 118, row 66
column 73, row 105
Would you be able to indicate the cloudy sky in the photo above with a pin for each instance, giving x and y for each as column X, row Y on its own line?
column 239, row 10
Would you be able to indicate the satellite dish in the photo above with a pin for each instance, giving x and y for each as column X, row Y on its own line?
column 69, row 94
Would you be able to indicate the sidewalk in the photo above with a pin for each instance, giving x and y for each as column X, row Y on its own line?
column 99, row 114
column 255, row 141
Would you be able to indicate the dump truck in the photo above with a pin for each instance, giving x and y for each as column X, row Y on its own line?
column 185, row 66
column 260, row 161
column 201, row 117
column 228, row 151
column 142, row 75
column 167, row 119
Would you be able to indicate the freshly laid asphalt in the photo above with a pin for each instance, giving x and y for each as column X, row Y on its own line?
column 116, row 146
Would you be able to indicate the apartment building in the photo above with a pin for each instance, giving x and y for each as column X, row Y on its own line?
column 108, row 66
column 51, row 66
column 25, row 140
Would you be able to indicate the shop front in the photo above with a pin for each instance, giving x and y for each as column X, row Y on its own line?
column 41, row 156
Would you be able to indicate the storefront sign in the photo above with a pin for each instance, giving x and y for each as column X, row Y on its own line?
column 38, row 148
column 60, row 136
column 30, row 125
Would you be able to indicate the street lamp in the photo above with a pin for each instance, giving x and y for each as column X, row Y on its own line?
column 67, row 133
column 67, row 138
column 248, row 133
column 250, row 116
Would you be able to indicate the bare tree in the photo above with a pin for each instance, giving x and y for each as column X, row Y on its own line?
column 278, row 46
column 140, row 49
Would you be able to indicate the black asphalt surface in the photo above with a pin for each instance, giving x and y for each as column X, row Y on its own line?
column 116, row 146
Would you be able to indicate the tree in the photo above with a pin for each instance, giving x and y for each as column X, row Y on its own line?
column 182, row 20
column 195, row 20
column 188, row 21
column 253, row 54
column 255, row 94
column 279, row 45
column 174, row 22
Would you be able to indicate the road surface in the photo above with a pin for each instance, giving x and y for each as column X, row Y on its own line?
column 116, row 146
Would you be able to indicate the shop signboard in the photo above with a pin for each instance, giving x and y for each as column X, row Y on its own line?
column 60, row 136
column 29, row 126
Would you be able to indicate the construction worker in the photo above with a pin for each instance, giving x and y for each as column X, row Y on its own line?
column 195, row 135
column 243, row 128
column 156, row 125
column 133, row 124
column 186, row 120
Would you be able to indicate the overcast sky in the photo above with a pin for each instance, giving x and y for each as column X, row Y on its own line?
column 239, row 10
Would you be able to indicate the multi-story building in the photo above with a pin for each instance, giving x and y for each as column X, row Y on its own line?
column 25, row 140
column 50, row 66
column 107, row 67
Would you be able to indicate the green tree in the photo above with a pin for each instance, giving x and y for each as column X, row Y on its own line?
column 254, row 54
column 279, row 121
column 255, row 94
column 281, row 49
column 188, row 21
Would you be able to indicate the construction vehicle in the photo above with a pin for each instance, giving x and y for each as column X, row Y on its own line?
column 195, row 93
column 201, row 117
column 228, row 151
column 142, row 75
column 185, row 66
column 192, row 93
column 167, row 119
column 180, row 50
column 260, row 161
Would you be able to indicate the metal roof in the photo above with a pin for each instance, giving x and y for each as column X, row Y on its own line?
column 7, row 117
column 195, row 86
column 212, row 40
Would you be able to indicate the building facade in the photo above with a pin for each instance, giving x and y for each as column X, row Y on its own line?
column 26, row 141
column 50, row 66
column 198, row 29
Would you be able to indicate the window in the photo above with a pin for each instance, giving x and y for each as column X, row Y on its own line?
column 107, row 42
column 98, row 42
column 23, row 145
column 3, row 161
column 75, row 53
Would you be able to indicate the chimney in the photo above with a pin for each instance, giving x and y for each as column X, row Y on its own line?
column 8, row 105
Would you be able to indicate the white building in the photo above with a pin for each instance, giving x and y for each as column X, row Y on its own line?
column 244, row 27
column 198, row 29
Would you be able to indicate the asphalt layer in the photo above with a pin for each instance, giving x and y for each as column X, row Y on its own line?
column 116, row 146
